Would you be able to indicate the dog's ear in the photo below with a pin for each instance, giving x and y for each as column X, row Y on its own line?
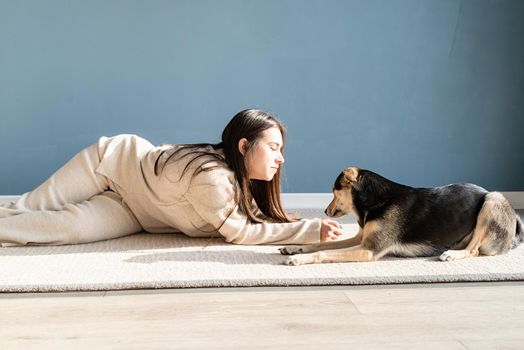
column 351, row 175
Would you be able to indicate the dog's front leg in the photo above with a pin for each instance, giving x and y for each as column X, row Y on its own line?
column 353, row 254
column 345, row 243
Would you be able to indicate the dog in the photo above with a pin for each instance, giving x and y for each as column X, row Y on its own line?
column 453, row 222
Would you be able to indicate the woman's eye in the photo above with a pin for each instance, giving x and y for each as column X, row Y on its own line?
column 274, row 147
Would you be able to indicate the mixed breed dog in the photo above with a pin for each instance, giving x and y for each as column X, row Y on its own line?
column 453, row 222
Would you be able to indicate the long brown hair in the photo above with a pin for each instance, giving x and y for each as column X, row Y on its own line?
column 248, row 124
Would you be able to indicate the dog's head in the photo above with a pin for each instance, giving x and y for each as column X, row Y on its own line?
column 342, row 203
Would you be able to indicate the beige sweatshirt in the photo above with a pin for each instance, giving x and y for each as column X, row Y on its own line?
column 195, row 205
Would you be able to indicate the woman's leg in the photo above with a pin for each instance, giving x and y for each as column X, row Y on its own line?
column 74, row 182
column 102, row 217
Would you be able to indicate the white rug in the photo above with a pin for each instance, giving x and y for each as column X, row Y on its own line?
column 175, row 261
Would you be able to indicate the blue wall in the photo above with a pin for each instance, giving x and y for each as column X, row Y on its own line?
column 424, row 92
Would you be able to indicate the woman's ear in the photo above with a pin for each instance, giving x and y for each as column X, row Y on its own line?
column 242, row 146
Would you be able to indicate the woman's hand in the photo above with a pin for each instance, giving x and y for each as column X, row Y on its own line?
column 330, row 230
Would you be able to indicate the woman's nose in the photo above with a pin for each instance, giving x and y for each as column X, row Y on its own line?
column 280, row 159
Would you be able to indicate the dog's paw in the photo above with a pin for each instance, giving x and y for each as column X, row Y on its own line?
column 451, row 255
column 292, row 250
column 292, row 261
column 445, row 257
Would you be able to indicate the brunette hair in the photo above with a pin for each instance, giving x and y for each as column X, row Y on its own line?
column 248, row 124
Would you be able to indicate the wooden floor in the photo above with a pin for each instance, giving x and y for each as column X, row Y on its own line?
column 427, row 316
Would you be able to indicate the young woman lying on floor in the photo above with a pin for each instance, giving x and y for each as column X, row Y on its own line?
column 123, row 185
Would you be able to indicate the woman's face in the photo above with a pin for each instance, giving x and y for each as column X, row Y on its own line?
column 264, row 159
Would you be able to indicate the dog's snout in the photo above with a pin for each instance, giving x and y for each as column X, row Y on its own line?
column 331, row 212
column 331, row 209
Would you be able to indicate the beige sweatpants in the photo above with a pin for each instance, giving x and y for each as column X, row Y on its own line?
column 75, row 205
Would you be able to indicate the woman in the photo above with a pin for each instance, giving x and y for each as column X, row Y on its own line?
column 123, row 185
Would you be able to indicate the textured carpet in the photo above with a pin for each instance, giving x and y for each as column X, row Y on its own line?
column 175, row 261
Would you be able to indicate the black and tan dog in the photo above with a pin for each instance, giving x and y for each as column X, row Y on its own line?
column 456, row 222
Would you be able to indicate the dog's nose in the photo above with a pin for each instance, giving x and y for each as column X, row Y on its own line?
column 326, row 212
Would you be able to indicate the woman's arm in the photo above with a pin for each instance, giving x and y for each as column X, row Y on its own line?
column 211, row 193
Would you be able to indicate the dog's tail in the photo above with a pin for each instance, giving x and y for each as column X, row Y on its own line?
column 519, row 233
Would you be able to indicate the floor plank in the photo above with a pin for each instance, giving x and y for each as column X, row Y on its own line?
column 430, row 316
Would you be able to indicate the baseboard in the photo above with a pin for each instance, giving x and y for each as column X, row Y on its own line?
column 515, row 198
column 6, row 199
column 321, row 200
